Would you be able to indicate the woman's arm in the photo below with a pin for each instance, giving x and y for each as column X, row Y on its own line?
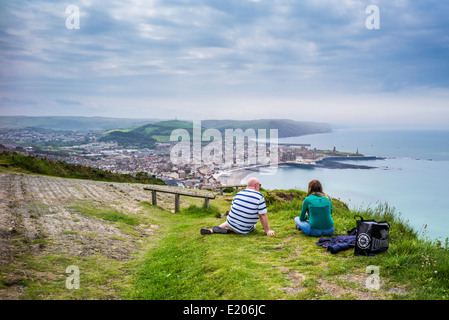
column 304, row 210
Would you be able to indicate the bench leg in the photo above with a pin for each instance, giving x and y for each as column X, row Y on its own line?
column 176, row 203
column 153, row 198
column 206, row 203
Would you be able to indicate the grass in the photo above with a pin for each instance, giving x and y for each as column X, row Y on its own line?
column 337, row 153
column 100, row 278
column 161, row 138
column 288, row 265
column 44, row 276
column 177, row 263
column 12, row 162
column 105, row 213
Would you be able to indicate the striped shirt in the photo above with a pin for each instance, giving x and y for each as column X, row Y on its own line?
column 245, row 209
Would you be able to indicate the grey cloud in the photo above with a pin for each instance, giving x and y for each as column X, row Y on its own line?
column 156, row 50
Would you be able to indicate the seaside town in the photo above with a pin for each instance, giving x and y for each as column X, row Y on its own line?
column 84, row 148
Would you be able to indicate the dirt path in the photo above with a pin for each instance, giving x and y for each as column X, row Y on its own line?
column 36, row 217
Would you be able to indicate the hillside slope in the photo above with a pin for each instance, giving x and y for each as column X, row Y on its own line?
column 32, row 164
column 43, row 216
column 147, row 135
column 126, row 248
column 286, row 128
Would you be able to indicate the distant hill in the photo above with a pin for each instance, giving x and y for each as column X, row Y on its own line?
column 72, row 123
column 145, row 133
column 146, row 136
column 286, row 128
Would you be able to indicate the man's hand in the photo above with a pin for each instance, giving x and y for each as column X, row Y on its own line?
column 266, row 227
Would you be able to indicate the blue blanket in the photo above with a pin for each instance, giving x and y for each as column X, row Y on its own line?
column 337, row 244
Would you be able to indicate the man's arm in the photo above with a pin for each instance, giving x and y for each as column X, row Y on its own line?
column 266, row 227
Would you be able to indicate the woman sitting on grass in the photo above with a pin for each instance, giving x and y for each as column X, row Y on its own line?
column 317, row 208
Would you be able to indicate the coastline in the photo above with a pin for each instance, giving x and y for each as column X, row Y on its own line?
column 235, row 177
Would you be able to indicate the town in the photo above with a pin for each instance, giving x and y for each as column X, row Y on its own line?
column 84, row 148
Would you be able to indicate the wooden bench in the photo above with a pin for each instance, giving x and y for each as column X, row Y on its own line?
column 179, row 192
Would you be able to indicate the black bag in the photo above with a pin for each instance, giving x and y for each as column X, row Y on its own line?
column 372, row 237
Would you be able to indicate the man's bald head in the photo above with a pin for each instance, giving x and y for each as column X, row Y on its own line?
column 253, row 183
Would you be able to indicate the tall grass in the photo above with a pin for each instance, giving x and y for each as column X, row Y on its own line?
column 413, row 258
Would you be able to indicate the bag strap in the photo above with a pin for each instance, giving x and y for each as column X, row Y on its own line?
column 361, row 219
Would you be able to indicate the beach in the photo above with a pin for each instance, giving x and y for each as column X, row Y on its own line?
column 235, row 177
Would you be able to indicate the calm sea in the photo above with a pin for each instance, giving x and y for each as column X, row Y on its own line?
column 413, row 178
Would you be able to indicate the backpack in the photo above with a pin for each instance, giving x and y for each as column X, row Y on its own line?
column 372, row 237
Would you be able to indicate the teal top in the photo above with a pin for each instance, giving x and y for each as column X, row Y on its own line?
column 319, row 210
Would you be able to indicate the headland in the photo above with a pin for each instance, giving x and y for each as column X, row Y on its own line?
column 236, row 176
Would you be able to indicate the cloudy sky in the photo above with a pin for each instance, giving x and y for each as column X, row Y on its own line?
column 311, row 60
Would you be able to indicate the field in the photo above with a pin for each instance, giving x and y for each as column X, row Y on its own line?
column 127, row 249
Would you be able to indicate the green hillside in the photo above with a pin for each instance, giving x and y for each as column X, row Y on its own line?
column 286, row 128
column 175, row 262
column 149, row 134
column 15, row 162
column 288, row 265
column 146, row 136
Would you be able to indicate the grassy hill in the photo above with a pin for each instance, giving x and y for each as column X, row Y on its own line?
column 147, row 135
column 126, row 248
column 32, row 164
column 288, row 265
column 286, row 128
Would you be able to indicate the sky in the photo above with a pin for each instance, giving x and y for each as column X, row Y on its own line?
column 311, row 60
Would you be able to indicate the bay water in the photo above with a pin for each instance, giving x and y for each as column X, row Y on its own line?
column 413, row 178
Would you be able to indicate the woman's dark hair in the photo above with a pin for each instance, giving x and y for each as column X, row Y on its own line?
column 315, row 187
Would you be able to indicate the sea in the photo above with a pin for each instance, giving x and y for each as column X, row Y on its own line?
column 412, row 177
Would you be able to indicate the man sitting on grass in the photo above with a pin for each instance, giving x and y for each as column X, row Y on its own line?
column 247, row 207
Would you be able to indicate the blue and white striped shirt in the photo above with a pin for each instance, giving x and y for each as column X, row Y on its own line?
column 245, row 209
